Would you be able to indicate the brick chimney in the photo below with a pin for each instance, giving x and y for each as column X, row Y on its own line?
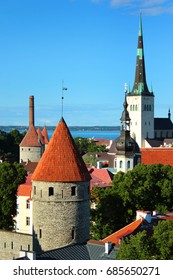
column 31, row 110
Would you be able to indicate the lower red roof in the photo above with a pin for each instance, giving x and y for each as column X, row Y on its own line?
column 157, row 155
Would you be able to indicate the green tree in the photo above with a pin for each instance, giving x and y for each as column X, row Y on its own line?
column 163, row 240
column 9, row 145
column 86, row 145
column 11, row 175
column 146, row 187
column 136, row 247
column 108, row 214
column 147, row 247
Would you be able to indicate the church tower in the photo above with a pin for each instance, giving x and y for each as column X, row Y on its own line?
column 140, row 99
column 128, row 153
column 60, row 194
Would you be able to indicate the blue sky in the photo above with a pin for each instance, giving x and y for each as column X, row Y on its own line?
column 91, row 45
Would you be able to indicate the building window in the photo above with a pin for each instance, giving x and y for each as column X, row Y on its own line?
column 136, row 107
column 34, row 189
column 128, row 164
column 5, row 245
column 28, row 247
column 51, row 191
column 41, row 193
column 73, row 233
column 28, row 204
column 40, row 233
column 73, row 190
column 115, row 163
column 121, row 164
column 130, row 107
column 28, row 221
column 12, row 245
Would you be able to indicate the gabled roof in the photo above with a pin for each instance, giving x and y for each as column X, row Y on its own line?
column 157, row 155
column 163, row 124
column 31, row 138
column 61, row 161
column 116, row 236
column 100, row 177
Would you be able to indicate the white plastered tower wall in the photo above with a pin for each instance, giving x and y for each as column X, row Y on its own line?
column 141, row 112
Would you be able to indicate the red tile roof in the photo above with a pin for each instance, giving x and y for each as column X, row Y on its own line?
column 116, row 236
column 45, row 135
column 61, row 161
column 40, row 136
column 157, row 155
column 100, row 177
column 26, row 188
column 31, row 138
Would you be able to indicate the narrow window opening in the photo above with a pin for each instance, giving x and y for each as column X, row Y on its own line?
column 40, row 233
column 51, row 191
column 72, row 233
column 73, row 190
column 12, row 245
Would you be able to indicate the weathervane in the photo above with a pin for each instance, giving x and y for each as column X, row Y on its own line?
column 62, row 96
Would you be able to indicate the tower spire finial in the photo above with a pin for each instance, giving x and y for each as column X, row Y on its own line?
column 62, row 97
column 140, row 85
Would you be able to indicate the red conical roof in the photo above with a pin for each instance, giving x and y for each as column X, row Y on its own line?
column 45, row 135
column 61, row 161
column 31, row 138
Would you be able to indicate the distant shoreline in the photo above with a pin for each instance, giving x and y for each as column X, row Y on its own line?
column 8, row 128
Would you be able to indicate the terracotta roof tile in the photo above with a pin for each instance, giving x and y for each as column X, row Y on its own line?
column 45, row 135
column 40, row 136
column 26, row 188
column 116, row 236
column 157, row 155
column 61, row 161
column 31, row 138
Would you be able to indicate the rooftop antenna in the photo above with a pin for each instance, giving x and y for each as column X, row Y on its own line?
column 62, row 97
column 125, row 88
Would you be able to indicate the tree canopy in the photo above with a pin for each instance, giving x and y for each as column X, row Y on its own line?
column 86, row 145
column 9, row 145
column 142, row 246
column 11, row 175
column 146, row 187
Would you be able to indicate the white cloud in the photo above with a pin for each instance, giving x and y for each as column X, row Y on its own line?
column 148, row 7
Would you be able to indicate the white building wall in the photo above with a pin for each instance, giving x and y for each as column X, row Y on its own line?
column 22, row 214
column 124, row 164
column 141, row 112
column 30, row 154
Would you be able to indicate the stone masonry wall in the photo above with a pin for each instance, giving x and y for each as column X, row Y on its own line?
column 11, row 243
column 62, row 217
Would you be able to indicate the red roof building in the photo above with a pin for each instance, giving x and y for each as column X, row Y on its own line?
column 157, row 155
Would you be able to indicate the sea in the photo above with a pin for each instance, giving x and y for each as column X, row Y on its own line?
column 105, row 132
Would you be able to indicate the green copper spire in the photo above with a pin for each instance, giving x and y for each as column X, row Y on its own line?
column 140, row 85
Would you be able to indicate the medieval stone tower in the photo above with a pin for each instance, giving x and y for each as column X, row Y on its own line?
column 35, row 141
column 60, row 194
column 141, row 100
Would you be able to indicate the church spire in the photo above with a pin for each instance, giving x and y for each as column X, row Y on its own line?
column 140, row 85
